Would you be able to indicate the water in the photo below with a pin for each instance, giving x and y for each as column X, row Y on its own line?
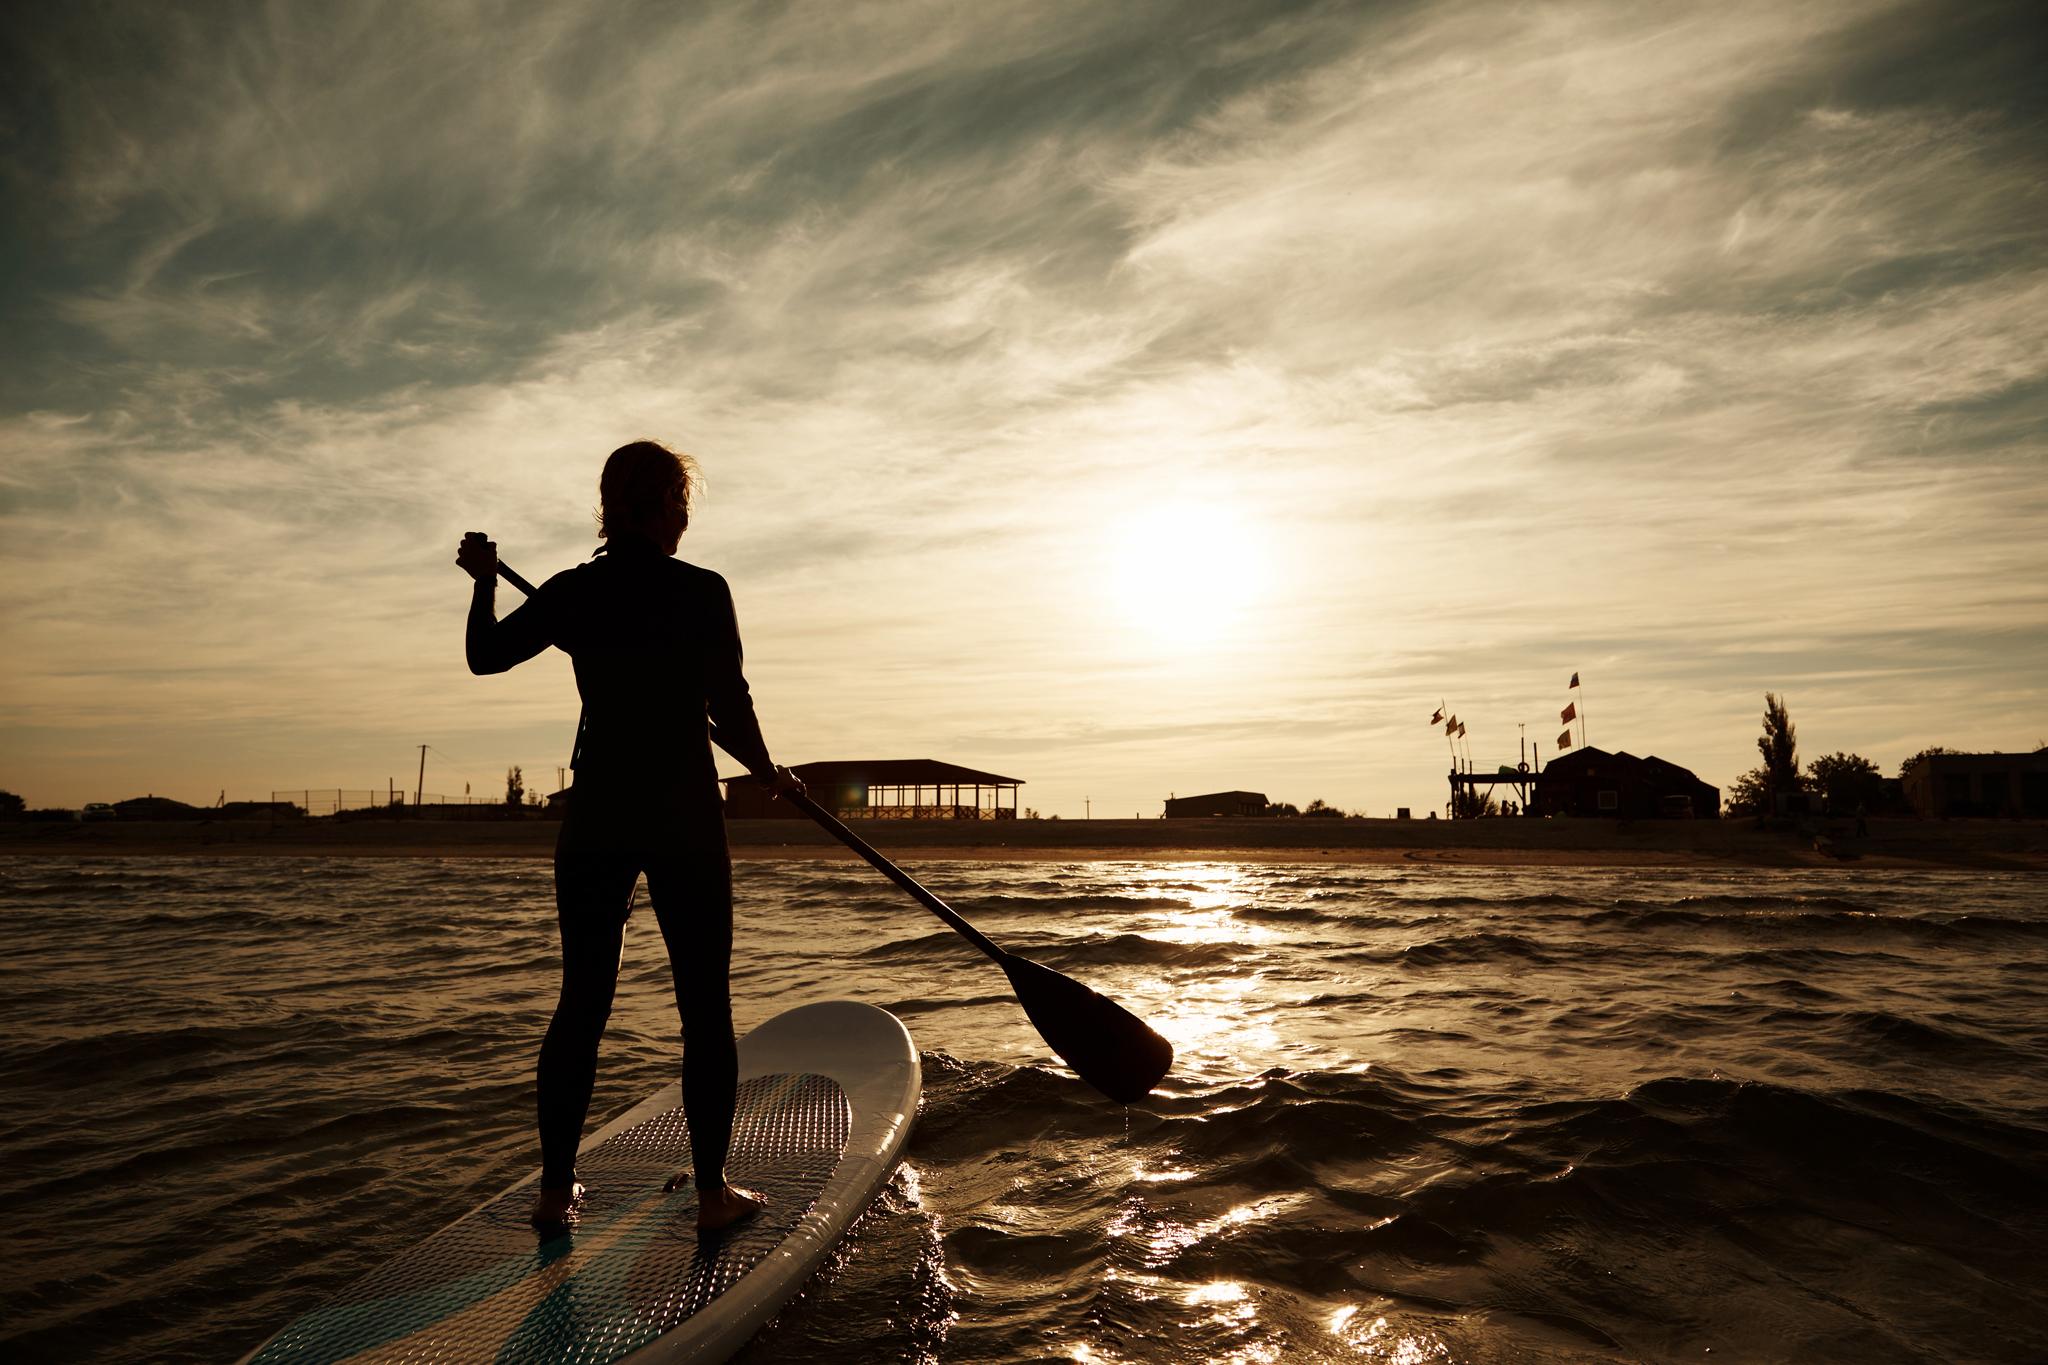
column 1419, row 1115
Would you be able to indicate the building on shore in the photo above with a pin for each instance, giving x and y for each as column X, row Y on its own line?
column 1216, row 805
column 883, row 789
column 1621, row 786
column 1948, row 786
column 158, row 808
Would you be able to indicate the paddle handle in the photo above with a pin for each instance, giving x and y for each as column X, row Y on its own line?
column 831, row 824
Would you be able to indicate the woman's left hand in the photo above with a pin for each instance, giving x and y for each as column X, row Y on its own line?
column 478, row 556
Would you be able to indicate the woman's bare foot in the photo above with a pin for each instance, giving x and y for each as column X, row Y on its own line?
column 557, row 1208
column 728, row 1204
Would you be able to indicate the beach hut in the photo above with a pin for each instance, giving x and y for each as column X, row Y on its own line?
column 1215, row 805
column 1621, row 786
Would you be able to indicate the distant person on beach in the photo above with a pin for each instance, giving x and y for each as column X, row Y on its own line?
column 656, row 646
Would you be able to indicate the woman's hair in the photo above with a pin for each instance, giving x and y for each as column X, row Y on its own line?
column 641, row 482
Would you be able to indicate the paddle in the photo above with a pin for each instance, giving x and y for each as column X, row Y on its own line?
column 1108, row 1046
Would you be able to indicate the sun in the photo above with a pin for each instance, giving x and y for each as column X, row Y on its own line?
column 1186, row 573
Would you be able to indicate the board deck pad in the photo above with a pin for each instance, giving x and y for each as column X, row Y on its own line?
column 486, row 1289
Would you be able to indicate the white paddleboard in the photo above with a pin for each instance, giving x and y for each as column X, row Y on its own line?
column 827, row 1096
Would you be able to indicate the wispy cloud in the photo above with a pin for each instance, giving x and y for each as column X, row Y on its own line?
column 1699, row 350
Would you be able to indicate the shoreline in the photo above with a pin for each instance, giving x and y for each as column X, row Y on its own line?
column 1974, row 845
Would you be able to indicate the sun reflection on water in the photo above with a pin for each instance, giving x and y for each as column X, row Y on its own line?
column 1377, row 1339
column 1163, row 1237
column 1230, row 1020
column 1208, row 926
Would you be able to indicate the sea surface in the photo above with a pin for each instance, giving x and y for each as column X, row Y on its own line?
column 1420, row 1114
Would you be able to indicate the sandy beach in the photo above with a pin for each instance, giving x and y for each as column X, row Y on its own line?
column 1980, row 845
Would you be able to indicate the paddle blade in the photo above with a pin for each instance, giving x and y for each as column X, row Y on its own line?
column 1108, row 1046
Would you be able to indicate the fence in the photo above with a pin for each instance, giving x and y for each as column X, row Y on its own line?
column 944, row 812
column 333, row 800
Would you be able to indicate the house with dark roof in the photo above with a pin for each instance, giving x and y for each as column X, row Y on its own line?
column 1619, row 785
column 157, row 808
column 1945, row 786
column 1216, row 805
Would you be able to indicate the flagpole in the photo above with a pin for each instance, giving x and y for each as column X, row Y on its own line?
column 1582, row 716
column 1451, row 739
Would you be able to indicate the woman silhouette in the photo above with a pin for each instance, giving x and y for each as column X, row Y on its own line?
column 656, row 648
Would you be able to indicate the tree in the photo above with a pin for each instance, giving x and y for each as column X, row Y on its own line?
column 1282, row 808
column 1929, row 752
column 515, row 786
column 1845, row 781
column 1750, row 794
column 11, row 805
column 1322, row 810
column 1779, row 744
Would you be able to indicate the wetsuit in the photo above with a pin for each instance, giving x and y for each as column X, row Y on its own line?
column 656, row 647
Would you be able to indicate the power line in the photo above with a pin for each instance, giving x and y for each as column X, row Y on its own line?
column 460, row 767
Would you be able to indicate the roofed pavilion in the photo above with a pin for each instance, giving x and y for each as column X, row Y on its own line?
column 884, row 789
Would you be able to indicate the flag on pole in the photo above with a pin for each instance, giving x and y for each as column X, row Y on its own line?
column 1573, row 683
column 1451, row 726
column 1570, row 711
column 1438, row 718
column 1461, row 731
column 1564, row 741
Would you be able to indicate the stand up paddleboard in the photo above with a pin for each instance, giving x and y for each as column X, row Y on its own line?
column 827, row 1094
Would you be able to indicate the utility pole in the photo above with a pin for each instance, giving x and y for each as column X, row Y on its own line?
column 420, row 790
column 1087, row 809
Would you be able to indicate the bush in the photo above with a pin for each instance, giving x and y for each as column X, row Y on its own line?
column 1749, row 794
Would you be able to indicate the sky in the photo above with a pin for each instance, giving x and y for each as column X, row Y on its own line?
column 1133, row 399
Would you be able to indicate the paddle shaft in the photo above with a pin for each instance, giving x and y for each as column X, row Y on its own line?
column 831, row 825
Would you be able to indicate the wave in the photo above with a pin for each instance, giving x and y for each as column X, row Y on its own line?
column 1476, row 947
column 1066, row 953
column 1073, row 900
column 1474, row 900
column 1795, row 919
column 1308, row 914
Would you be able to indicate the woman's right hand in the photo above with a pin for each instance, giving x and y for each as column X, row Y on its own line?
column 478, row 556
column 783, row 782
